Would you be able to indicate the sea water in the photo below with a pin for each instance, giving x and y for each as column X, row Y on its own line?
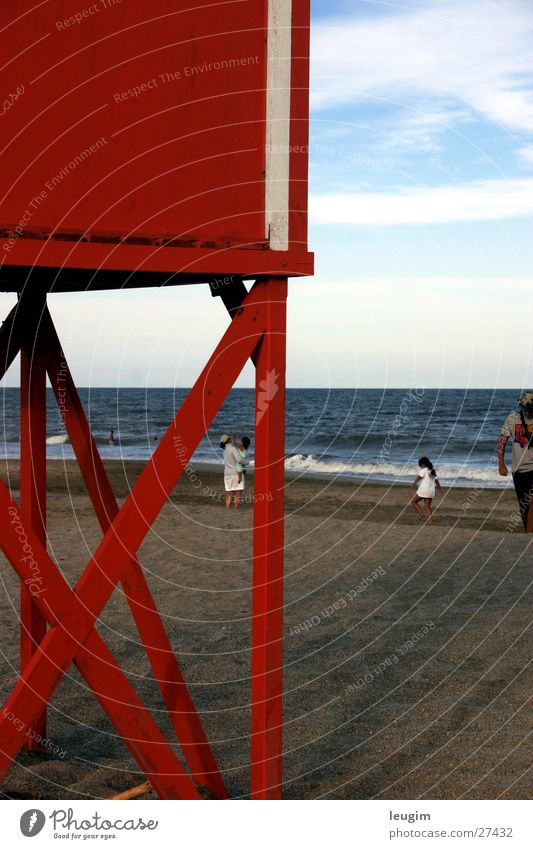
column 374, row 434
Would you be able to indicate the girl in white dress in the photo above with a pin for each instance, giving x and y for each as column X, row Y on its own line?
column 426, row 484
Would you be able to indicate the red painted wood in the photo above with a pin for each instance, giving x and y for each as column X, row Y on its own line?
column 169, row 94
column 44, row 671
column 174, row 159
column 32, row 483
column 120, row 543
column 167, row 673
column 267, row 593
column 137, row 118
column 146, row 121
column 218, row 262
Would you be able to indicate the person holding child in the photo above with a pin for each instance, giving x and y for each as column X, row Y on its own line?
column 233, row 479
column 235, row 461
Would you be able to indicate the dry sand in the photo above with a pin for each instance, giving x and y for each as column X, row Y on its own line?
column 414, row 686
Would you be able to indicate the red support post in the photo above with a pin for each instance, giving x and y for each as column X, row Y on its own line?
column 267, row 592
column 32, row 479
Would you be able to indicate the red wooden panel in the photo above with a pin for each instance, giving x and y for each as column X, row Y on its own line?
column 134, row 117
column 120, row 257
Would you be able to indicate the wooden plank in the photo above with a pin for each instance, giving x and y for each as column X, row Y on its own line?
column 134, row 792
column 267, row 590
column 32, row 475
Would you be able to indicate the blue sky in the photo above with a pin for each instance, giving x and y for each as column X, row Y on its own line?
column 421, row 201
column 422, row 188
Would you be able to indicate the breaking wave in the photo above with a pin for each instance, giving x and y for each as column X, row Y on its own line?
column 448, row 474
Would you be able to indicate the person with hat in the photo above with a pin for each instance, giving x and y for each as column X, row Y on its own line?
column 519, row 427
column 233, row 479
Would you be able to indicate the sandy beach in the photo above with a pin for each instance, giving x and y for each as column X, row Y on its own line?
column 406, row 646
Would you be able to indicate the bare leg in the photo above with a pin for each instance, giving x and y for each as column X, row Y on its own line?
column 229, row 496
column 236, row 498
column 414, row 501
column 428, row 510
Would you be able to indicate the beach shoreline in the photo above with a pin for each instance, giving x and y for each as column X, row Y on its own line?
column 484, row 508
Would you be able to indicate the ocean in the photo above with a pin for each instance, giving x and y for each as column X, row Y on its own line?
column 374, row 434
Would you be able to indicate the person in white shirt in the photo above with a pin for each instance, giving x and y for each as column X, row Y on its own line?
column 426, row 484
column 519, row 428
column 232, row 461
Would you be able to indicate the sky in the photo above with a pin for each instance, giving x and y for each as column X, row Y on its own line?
column 421, row 217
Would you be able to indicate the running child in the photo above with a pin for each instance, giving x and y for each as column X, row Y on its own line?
column 426, row 483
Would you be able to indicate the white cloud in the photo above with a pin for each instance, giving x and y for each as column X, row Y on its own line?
column 423, row 128
column 475, row 54
column 484, row 200
column 525, row 154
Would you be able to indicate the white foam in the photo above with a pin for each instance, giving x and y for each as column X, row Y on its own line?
column 57, row 440
column 448, row 474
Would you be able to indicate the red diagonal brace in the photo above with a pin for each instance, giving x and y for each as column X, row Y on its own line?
column 187, row 724
column 54, row 597
column 113, row 556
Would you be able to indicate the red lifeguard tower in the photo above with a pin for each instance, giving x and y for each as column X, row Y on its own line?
column 149, row 144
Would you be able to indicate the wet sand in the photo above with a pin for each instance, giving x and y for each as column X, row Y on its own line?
column 406, row 646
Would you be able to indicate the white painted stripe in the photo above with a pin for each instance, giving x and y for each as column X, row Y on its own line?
column 278, row 123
